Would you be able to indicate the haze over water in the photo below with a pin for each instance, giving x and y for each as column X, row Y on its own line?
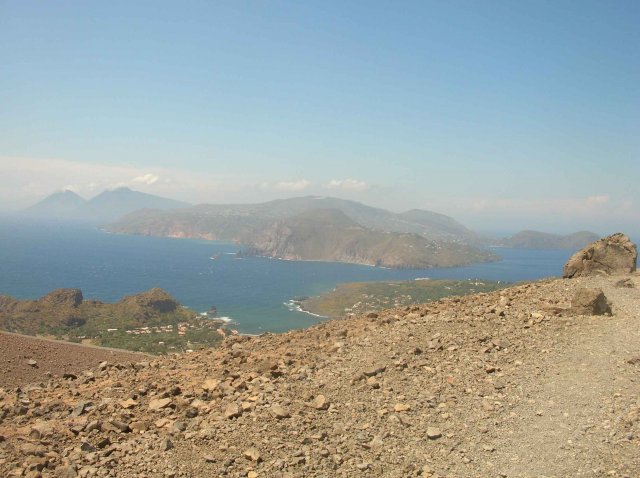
column 37, row 257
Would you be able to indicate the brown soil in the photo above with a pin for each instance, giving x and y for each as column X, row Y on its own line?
column 502, row 384
column 53, row 358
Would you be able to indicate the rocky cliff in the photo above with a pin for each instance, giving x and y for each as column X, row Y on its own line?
column 329, row 235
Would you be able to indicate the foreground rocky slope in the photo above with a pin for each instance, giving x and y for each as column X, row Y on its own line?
column 506, row 384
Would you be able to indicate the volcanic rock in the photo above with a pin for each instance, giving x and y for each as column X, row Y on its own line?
column 63, row 298
column 278, row 412
column 159, row 403
column 232, row 411
column 590, row 302
column 320, row 403
column 615, row 254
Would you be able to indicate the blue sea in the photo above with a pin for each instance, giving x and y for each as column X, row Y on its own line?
column 37, row 257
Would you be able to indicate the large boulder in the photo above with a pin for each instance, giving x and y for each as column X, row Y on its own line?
column 615, row 254
column 590, row 302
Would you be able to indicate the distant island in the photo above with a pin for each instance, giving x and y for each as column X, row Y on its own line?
column 320, row 229
column 151, row 321
column 542, row 240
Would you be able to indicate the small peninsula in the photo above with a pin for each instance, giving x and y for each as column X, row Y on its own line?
column 356, row 298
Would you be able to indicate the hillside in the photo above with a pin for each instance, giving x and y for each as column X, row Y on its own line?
column 106, row 206
column 497, row 384
column 543, row 240
column 148, row 322
column 329, row 235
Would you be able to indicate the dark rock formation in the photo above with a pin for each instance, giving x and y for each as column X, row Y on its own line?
column 63, row 298
column 590, row 302
column 615, row 254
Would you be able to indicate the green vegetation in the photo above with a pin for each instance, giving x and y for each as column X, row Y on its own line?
column 201, row 336
column 363, row 297
column 151, row 322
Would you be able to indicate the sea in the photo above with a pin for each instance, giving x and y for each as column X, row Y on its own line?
column 254, row 293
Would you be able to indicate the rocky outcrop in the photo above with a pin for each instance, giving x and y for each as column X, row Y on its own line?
column 63, row 298
column 156, row 300
column 614, row 254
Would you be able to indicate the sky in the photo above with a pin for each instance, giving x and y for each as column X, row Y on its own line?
column 505, row 115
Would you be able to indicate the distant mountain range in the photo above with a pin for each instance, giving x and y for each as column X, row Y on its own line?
column 106, row 206
column 320, row 228
column 543, row 240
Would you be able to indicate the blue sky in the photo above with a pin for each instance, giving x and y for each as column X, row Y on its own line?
column 503, row 114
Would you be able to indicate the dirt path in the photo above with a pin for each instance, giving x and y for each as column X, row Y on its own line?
column 573, row 420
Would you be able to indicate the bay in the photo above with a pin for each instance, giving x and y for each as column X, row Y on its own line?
column 37, row 257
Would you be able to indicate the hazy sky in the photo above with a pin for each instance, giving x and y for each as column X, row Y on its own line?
column 503, row 114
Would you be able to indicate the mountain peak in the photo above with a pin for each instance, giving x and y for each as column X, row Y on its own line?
column 106, row 206
column 62, row 203
column 67, row 191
